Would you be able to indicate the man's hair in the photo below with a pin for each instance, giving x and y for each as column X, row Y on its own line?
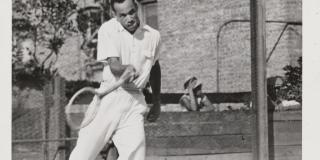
column 112, row 2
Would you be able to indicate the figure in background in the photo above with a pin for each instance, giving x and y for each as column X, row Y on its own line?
column 194, row 99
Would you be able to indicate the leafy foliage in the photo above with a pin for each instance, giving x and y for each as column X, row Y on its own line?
column 29, row 75
column 292, row 85
column 47, row 23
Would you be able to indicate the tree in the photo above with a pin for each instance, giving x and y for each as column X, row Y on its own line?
column 46, row 23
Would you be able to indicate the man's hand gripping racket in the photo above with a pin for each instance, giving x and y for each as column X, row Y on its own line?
column 73, row 122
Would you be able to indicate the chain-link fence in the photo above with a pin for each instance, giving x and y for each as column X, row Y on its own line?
column 40, row 132
column 37, row 136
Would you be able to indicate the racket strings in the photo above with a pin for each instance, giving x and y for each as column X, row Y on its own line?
column 69, row 110
column 88, row 118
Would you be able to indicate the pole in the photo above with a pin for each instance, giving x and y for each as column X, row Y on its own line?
column 258, row 80
column 218, row 70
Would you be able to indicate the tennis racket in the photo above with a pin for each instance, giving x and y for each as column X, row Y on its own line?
column 77, row 116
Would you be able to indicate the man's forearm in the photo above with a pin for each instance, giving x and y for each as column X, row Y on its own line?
column 117, row 70
column 155, row 81
column 116, row 67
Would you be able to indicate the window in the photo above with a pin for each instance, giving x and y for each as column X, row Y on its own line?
column 150, row 13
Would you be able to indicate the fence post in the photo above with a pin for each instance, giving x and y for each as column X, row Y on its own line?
column 47, row 92
column 57, row 124
column 258, row 80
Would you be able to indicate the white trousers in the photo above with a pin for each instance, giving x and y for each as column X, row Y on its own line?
column 120, row 118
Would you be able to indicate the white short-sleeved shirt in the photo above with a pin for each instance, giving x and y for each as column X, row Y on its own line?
column 139, row 49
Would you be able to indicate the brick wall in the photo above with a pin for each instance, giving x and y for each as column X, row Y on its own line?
column 189, row 45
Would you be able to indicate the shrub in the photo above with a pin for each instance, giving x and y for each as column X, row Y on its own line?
column 291, row 88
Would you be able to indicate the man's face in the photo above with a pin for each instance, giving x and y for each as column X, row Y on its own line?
column 127, row 14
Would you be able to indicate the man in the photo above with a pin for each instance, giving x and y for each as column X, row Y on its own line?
column 194, row 99
column 129, row 47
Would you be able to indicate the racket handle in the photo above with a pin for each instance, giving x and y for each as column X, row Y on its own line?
column 111, row 88
column 124, row 77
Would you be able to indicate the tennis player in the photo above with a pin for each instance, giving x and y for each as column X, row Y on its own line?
column 128, row 46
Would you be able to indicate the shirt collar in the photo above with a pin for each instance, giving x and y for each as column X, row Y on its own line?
column 139, row 29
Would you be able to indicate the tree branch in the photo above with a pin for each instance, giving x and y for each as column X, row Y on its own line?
column 85, row 42
column 44, row 61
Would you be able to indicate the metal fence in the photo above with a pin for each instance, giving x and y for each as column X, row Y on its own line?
column 41, row 132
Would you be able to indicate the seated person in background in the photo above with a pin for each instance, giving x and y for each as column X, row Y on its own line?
column 273, row 87
column 275, row 100
column 194, row 99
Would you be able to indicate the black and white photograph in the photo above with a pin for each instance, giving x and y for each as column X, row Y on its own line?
column 161, row 79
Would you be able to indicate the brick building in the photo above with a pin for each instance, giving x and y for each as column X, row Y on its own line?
column 190, row 43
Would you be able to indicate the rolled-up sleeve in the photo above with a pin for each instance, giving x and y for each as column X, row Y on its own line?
column 107, row 45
